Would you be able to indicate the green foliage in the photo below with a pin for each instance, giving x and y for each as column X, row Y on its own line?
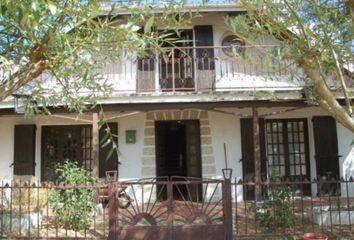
column 73, row 205
column 304, row 27
column 276, row 212
column 109, row 139
column 317, row 35
column 69, row 42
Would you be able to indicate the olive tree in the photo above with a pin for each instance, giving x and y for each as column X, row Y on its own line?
column 319, row 36
column 68, row 42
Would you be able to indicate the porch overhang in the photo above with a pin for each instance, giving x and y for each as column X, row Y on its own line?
column 185, row 100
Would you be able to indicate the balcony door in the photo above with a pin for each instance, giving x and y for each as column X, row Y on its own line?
column 188, row 64
column 177, row 65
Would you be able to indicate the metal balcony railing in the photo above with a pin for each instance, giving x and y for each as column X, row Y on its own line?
column 205, row 69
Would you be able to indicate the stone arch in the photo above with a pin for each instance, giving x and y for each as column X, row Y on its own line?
column 207, row 151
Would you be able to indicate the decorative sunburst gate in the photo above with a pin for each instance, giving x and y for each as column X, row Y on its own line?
column 175, row 208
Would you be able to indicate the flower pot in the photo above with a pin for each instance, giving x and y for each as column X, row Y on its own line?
column 315, row 236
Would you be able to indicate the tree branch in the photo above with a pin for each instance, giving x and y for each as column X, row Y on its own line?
column 325, row 97
column 21, row 78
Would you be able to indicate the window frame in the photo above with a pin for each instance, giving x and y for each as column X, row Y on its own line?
column 285, row 141
column 61, row 149
column 233, row 50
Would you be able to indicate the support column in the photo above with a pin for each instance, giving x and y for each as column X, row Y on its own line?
column 169, row 188
column 227, row 200
column 112, row 211
column 257, row 155
column 95, row 145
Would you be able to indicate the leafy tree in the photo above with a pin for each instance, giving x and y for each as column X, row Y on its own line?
column 69, row 41
column 318, row 35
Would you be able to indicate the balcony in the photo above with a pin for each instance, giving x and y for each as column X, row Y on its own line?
column 205, row 69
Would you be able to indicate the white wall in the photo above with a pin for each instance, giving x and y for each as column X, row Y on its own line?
column 225, row 128
column 132, row 154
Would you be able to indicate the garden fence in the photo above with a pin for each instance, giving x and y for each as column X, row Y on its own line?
column 31, row 209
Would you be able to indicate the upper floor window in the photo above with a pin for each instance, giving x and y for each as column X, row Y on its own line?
column 232, row 45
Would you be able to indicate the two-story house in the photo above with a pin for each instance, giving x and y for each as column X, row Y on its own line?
column 191, row 114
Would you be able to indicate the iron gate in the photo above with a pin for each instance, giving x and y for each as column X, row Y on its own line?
column 171, row 208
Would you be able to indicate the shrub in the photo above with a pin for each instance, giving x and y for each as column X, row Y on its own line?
column 73, row 204
column 276, row 212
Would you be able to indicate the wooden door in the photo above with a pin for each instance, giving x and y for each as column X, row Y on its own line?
column 193, row 154
column 178, row 154
column 160, row 136
column 193, row 151
column 170, row 148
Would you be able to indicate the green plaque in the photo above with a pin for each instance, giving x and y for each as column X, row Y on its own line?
column 130, row 136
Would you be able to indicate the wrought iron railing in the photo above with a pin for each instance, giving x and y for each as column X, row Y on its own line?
column 179, row 206
column 206, row 69
column 27, row 211
column 285, row 209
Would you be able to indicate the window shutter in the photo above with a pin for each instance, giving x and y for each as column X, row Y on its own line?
column 111, row 163
column 146, row 63
column 247, row 148
column 24, row 150
column 326, row 145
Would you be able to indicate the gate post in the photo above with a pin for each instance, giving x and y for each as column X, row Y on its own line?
column 227, row 208
column 112, row 211
column 170, row 209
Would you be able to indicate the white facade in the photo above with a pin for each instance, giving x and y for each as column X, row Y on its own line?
column 138, row 162
column 234, row 81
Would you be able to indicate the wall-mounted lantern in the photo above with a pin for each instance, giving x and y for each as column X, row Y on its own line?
column 20, row 102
